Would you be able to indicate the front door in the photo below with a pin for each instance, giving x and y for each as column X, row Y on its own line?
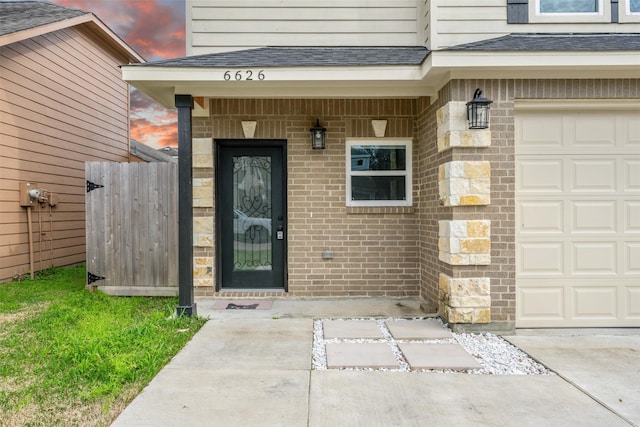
column 251, row 212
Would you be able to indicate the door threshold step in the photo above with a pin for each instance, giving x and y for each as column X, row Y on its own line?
column 252, row 290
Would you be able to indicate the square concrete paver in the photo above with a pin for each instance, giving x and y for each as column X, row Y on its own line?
column 428, row 329
column 346, row 329
column 438, row 356
column 360, row 355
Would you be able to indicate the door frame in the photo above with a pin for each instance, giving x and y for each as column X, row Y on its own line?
column 280, row 144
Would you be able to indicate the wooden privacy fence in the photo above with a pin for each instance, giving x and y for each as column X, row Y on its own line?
column 132, row 228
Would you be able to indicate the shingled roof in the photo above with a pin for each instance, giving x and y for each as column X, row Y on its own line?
column 555, row 42
column 23, row 15
column 302, row 57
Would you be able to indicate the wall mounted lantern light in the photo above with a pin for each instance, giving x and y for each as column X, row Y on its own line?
column 478, row 111
column 317, row 136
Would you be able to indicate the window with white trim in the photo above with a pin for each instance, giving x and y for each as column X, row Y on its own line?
column 629, row 11
column 569, row 6
column 569, row 11
column 379, row 172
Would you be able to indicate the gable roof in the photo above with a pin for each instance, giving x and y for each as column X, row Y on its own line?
column 570, row 42
column 23, row 15
column 294, row 56
column 21, row 20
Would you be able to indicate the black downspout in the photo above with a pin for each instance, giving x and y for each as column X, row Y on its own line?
column 186, row 305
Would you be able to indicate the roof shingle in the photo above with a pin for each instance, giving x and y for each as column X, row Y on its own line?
column 302, row 57
column 23, row 15
column 555, row 42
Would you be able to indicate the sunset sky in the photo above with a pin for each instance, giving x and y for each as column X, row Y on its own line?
column 155, row 29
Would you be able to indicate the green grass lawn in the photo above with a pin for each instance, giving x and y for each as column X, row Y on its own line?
column 72, row 357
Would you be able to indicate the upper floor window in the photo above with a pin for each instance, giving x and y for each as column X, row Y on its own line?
column 629, row 11
column 569, row 11
column 379, row 173
column 569, row 6
column 633, row 6
column 573, row 11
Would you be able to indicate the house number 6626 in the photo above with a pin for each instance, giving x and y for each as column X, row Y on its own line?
column 244, row 75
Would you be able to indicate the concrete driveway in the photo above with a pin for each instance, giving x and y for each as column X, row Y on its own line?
column 602, row 363
column 253, row 368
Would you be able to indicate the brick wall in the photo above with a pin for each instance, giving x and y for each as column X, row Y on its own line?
column 393, row 251
column 376, row 249
column 430, row 212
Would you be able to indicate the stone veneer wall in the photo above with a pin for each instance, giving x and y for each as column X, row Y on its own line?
column 376, row 249
column 464, row 183
column 501, row 211
column 496, row 276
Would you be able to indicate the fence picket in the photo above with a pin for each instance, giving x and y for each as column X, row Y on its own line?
column 132, row 227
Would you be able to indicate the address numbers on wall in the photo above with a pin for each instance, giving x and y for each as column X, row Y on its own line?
column 240, row 75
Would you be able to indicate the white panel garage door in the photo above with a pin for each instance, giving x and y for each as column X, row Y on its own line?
column 577, row 218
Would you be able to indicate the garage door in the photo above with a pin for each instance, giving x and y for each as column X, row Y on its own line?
column 577, row 218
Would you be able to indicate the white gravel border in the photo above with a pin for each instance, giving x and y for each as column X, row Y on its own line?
column 496, row 355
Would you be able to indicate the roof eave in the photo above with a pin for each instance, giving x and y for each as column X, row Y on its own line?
column 536, row 64
column 162, row 83
column 88, row 19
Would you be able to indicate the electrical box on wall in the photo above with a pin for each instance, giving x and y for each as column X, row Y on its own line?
column 29, row 193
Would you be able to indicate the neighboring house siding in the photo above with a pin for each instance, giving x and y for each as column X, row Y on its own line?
column 463, row 21
column 226, row 25
column 62, row 102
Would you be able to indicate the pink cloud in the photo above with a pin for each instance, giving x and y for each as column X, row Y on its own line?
column 151, row 133
column 156, row 30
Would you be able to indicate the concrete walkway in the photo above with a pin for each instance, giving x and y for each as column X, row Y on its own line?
column 253, row 368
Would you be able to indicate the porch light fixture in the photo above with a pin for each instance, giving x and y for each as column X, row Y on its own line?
column 317, row 136
column 478, row 111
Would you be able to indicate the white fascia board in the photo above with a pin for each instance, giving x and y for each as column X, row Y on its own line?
column 277, row 74
column 162, row 83
column 588, row 64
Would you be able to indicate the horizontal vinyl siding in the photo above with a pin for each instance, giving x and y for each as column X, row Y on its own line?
column 425, row 23
column 235, row 25
column 62, row 102
column 464, row 21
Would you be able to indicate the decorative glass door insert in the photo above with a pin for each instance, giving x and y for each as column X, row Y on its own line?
column 250, row 207
column 252, row 213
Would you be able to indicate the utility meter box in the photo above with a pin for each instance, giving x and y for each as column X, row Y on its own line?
column 26, row 193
